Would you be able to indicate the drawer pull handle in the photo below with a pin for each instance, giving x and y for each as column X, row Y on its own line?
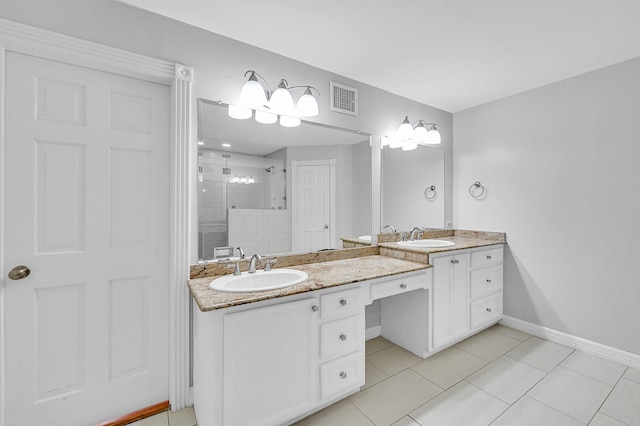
column 488, row 280
column 488, row 309
column 489, row 256
column 343, row 375
column 343, row 337
column 314, row 308
column 455, row 261
column 343, row 302
column 403, row 285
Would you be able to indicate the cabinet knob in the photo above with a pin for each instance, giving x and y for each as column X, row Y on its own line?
column 454, row 261
column 343, row 302
column 488, row 309
column 489, row 256
column 343, row 375
column 403, row 285
column 314, row 308
column 343, row 337
column 488, row 280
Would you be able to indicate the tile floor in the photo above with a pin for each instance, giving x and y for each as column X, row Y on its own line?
column 500, row 377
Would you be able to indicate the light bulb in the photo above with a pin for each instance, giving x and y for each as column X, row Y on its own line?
column 433, row 136
column 281, row 101
column 289, row 121
column 405, row 131
column 239, row 112
column 252, row 94
column 420, row 132
column 395, row 143
column 251, row 180
column 243, row 179
column 307, row 105
column 265, row 117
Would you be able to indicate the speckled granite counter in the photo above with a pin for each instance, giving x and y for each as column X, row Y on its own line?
column 321, row 275
column 421, row 254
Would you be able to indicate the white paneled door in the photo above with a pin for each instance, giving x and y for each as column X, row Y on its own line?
column 313, row 206
column 87, row 211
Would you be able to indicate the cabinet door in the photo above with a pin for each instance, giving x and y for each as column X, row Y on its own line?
column 450, row 298
column 270, row 363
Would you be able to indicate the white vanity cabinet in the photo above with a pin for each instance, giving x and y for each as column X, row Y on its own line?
column 269, row 359
column 450, row 297
column 467, row 293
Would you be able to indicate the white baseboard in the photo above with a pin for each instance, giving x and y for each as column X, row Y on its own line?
column 372, row 332
column 584, row 345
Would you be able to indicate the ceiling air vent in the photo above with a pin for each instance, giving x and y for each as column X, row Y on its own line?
column 344, row 99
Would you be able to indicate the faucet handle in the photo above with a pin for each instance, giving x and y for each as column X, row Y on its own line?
column 236, row 266
column 267, row 266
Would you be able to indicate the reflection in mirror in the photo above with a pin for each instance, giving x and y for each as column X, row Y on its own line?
column 246, row 193
column 408, row 199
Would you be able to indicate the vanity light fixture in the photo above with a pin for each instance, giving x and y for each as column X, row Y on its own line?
column 409, row 136
column 269, row 105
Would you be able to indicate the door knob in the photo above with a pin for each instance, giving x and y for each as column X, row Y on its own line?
column 19, row 272
column 326, row 227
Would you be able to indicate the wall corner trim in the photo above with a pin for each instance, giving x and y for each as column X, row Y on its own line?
column 616, row 355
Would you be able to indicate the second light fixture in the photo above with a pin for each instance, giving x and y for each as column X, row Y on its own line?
column 409, row 136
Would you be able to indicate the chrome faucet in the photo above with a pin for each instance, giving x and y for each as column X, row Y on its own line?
column 393, row 230
column 411, row 238
column 241, row 252
column 252, row 264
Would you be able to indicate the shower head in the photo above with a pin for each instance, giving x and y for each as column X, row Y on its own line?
column 269, row 169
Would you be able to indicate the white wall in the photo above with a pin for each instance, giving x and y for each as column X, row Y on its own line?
column 561, row 165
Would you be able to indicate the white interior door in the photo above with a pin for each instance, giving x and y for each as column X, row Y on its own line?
column 313, row 205
column 87, row 211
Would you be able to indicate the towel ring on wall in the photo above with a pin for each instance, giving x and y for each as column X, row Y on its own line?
column 473, row 189
column 430, row 193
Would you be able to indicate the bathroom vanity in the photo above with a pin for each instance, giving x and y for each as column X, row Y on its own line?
column 270, row 358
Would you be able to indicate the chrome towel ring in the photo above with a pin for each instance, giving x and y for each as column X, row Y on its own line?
column 476, row 190
column 430, row 193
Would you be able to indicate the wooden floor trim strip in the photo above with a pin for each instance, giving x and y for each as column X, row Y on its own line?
column 137, row 415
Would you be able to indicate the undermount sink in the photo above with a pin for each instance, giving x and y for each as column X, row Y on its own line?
column 259, row 281
column 426, row 243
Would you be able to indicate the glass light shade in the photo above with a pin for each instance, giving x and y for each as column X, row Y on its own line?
column 386, row 140
column 395, row 143
column 243, row 179
column 251, row 180
column 405, row 131
column 289, row 121
column 281, row 102
column 409, row 146
column 433, row 137
column 307, row 105
column 234, row 179
column 265, row 117
column 239, row 112
column 420, row 133
column 252, row 94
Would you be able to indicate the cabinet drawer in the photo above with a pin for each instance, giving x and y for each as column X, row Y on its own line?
column 341, row 303
column 341, row 336
column 488, row 257
column 486, row 281
column 342, row 374
column 397, row 286
column 486, row 310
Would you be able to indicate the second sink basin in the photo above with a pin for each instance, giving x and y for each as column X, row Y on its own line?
column 426, row 243
column 260, row 281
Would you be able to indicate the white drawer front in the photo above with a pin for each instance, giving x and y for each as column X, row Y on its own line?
column 341, row 303
column 486, row 310
column 341, row 336
column 397, row 286
column 488, row 257
column 486, row 281
column 342, row 374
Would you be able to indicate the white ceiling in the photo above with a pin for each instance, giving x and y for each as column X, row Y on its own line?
column 450, row 54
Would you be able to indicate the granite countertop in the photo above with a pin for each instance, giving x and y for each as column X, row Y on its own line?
column 321, row 275
column 461, row 243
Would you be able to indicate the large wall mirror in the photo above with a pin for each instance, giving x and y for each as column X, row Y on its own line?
column 413, row 188
column 252, row 176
